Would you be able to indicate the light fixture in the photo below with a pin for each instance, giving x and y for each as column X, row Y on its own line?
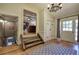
column 1, row 21
column 54, row 7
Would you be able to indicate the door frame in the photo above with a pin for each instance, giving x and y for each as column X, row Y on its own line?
column 73, row 27
column 16, row 20
column 36, row 19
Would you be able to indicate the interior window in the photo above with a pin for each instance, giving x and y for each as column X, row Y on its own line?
column 67, row 25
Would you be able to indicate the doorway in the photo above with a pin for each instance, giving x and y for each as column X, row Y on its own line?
column 29, row 23
column 8, row 33
column 69, row 29
column 8, row 30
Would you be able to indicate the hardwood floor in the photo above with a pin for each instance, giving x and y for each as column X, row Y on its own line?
column 7, row 49
column 28, row 51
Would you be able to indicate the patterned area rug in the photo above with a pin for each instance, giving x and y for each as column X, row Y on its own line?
column 54, row 49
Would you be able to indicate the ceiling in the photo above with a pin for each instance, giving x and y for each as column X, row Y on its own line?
column 67, row 9
column 39, row 5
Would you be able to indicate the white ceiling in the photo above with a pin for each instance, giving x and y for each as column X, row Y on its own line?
column 67, row 9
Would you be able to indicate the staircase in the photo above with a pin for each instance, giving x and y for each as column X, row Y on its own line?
column 30, row 41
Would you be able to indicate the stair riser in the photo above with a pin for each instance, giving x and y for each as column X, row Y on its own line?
column 34, row 45
column 26, row 43
column 30, row 37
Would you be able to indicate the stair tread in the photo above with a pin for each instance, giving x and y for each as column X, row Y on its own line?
column 31, row 35
column 31, row 39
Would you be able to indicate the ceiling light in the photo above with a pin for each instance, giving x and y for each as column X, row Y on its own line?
column 54, row 7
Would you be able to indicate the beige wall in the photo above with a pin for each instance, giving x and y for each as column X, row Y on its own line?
column 41, row 23
column 45, row 17
column 68, row 9
column 17, row 10
column 42, row 16
column 54, row 28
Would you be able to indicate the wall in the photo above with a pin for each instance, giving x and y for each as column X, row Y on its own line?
column 45, row 17
column 42, row 16
column 68, row 9
column 41, row 23
column 17, row 10
column 54, row 28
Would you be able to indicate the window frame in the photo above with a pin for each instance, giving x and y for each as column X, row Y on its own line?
column 67, row 25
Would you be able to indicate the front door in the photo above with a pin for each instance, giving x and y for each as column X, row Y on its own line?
column 68, row 29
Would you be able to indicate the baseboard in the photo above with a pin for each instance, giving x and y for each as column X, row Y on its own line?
column 65, row 41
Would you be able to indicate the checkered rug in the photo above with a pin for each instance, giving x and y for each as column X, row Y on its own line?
column 54, row 49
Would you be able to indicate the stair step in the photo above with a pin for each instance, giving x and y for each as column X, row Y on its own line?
column 28, row 36
column 34, row 44
column 32, row 41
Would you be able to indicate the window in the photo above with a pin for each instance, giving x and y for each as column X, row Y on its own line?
column 67, row 25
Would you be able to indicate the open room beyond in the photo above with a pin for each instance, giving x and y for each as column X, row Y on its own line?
column 39, row 28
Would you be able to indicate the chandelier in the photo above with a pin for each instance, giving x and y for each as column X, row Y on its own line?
column 54, row 7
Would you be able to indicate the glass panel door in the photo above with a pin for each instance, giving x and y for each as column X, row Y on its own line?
column 69, row 29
